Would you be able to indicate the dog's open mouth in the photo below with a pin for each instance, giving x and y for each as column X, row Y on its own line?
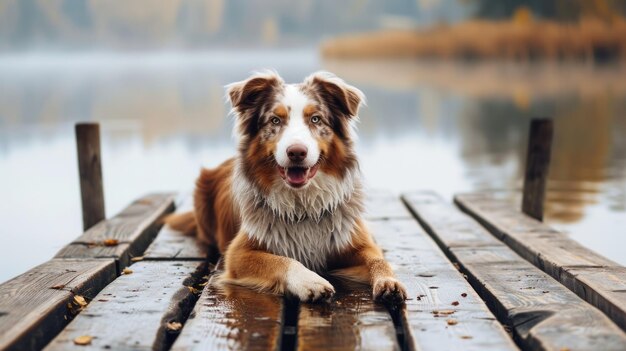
column 297, row 176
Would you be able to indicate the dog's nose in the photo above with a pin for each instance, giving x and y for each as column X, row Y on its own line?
column 297, row 152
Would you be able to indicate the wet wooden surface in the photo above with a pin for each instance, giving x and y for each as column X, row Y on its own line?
column 233, row 318
column 133, row 311
column 133, row 229
column 593, row 277
column 34, row 305
column 172, row 245
column 443, row 311
column 351, row 321
column 382, row 204
column 543, row 314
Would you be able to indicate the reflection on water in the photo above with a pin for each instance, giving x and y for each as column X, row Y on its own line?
column 442, row 126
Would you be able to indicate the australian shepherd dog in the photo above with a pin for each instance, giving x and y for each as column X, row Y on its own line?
column 287, row 210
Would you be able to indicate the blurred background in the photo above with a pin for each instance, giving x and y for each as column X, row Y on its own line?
column 451, row 87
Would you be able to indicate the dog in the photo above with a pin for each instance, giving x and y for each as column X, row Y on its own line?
column 287, row 210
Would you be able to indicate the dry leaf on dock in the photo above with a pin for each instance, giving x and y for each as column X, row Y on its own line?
column 83, row 340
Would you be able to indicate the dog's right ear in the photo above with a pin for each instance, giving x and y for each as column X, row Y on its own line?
column 249, row 98
column 251, row 92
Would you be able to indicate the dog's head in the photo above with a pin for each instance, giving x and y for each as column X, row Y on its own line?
column 291, row 132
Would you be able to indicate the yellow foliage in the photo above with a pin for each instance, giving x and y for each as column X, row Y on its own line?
column 522, row 15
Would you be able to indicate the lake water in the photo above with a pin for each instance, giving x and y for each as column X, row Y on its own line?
column 441, row 126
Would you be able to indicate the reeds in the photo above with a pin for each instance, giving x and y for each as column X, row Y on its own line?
column 589, row 40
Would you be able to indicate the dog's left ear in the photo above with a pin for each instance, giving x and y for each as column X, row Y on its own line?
column 339, row 95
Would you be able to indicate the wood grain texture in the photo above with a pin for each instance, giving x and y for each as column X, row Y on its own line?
column 173, row 245
column 132, row 312
column 232, row 318
column 593, row 277
column 134, row 229
column 352, row 321
column 543, row 314
column 537, row 166
column 34, row 305
column 90, row 173
column 381, row 204
column 434, row 286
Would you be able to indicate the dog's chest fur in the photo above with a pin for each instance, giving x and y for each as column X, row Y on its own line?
column 308, row 225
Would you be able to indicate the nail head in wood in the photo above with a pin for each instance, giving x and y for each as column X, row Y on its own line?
column 90, row 172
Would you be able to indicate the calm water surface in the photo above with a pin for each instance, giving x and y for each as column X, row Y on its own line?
column 441, row 126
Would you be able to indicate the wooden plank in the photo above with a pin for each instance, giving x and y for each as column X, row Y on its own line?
column 434, row 285
column 352, row 321
column 593, row 277
column 381, row 204
column 90, row 173
column 173, row 245
column 133, row 229
column 133, row 311
column 34, row 305
column 233, row 318
column 542, row 313
column 537, row 166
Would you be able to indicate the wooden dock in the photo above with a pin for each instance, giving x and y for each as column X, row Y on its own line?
column 495, row 280
column 480, row 275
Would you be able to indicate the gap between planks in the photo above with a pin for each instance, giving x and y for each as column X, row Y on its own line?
column 542, row 313
column 591, row 276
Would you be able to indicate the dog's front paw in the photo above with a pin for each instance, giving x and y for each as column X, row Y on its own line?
column 389, row 290
column 307, row 285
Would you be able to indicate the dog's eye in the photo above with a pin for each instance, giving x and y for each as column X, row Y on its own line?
column 275, row 120
column 315, row 119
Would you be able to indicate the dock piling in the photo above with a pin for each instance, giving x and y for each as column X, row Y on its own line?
column 537, row 165
column 90, row 172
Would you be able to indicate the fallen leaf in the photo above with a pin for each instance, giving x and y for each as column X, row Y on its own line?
column 83, row 340
column 466, row 336
column 127, row 271
column 137, row 259
column 80, row 300
column 103, row 300
column 455, row 303
column 564, row 349
column 452, row 321
column 174, row 326
column 464, row 295
column 446, row 312
column 58, row 287
column 110, row 242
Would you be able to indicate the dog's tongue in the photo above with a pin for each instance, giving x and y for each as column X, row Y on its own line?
column 296, row 175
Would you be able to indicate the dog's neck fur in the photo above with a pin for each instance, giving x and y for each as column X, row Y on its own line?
column 308, row 224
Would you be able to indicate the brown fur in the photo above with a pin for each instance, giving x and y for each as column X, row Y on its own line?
column 216, row 218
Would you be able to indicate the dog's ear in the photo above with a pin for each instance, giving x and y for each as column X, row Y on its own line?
column 249, row 93
column 250, row 96
column 339, row 95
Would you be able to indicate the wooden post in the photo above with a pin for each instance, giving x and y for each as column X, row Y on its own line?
column 537, row 165
column 90, row 170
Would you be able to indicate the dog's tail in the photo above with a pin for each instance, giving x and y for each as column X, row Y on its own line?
column 184, row 222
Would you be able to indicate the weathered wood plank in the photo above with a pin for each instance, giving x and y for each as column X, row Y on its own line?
column 173, row 245
column 133, row 229
column 90, row 173
column 133, row 312
column 593, row 277
column 381, row 204
column 537, row 167
column 34, row 305
column 352, row 321
column 435, row 286
column 232, row 318
column 542, row 313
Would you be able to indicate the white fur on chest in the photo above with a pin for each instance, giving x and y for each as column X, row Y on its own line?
column 308, row 225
